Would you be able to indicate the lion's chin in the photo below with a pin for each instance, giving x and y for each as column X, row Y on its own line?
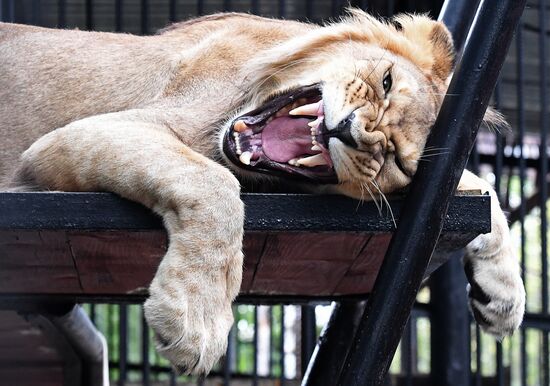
column 285, row 137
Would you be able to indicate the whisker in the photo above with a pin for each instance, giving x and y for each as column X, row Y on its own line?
column 383, row 196
column 374, row 199
column 433, row 154
column 428, row 148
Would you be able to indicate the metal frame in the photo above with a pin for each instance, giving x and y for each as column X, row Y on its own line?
column 408, row 255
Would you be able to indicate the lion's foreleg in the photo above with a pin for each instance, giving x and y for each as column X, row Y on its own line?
column 190, row 296
column 497, row 296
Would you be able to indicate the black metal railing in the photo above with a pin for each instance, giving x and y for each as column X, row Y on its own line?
column 516, row 162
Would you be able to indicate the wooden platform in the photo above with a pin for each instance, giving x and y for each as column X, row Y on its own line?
column 94, row 246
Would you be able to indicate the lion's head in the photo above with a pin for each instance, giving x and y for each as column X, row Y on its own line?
column 349, row 104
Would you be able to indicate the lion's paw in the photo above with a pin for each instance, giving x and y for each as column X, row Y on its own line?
column 496, row 295
column 190, row 331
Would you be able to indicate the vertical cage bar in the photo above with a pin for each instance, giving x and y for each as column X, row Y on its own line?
column 229, row 357
column 271, row 341
column 255, row 348
column 200, row 7
column 255, row 7
column 36, row 12
column 282, row 346
column 144, row 17
column 390, row 7
column 118, row 15
column 227, row 5
column 172, row 11
column 543, row 172
column 500, row 364
column 281, row 10
column 478, row 357
column 61, row 14
column 336, row 7
column 110, row 328
column 122, row 343
column 145, row 366
column 8, row 11
column 499, row 138
column 406, row 353
column 92, row 313
column 309, row 9
column 309, row 335
column 173, row 381
column 498, row 171
column 89, row 11
column 449, row 325
column 522, row 180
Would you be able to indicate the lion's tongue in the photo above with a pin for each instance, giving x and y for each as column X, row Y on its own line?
column 285, row 138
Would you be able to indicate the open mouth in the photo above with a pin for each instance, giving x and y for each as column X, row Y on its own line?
column 286, row 137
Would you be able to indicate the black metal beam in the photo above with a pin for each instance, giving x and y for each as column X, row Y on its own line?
column 264, row 212
column 450, row 325
column 424, row 210
column 334, row 343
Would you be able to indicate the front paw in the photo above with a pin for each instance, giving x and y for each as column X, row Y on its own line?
column 189, row 307
column 190, row 331
column 496, row 294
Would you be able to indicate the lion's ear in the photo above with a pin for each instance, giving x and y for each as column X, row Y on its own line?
column 433, row 38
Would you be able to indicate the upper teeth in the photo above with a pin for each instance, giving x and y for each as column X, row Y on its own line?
column 311, row 109
column 315, row 124
column 314, row 160
column 239, row 126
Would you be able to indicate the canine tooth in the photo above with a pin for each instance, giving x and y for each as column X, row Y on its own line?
column 310, row 109
column 245, row 157
column 315, row 124
column 293, row 162
column 240, row 126
column 316, row 148
column 314, row 160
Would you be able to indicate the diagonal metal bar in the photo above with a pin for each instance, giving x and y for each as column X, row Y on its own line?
column 333, row 346
column 412, row 245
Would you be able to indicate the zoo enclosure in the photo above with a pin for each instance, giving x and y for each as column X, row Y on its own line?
column 516, row 162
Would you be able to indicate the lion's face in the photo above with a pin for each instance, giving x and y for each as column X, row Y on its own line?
column 351, row 106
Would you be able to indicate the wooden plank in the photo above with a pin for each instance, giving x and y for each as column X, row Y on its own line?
column 304, row 263
column 31, row 259
column 108, row 262
column 264, row 212
column 360, row 277
column 253, row 247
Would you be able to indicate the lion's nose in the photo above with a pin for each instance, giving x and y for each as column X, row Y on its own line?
column 343, row 131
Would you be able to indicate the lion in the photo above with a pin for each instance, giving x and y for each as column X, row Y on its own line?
column 170, row 120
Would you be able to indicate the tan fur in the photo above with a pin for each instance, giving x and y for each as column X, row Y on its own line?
column 141, row 117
